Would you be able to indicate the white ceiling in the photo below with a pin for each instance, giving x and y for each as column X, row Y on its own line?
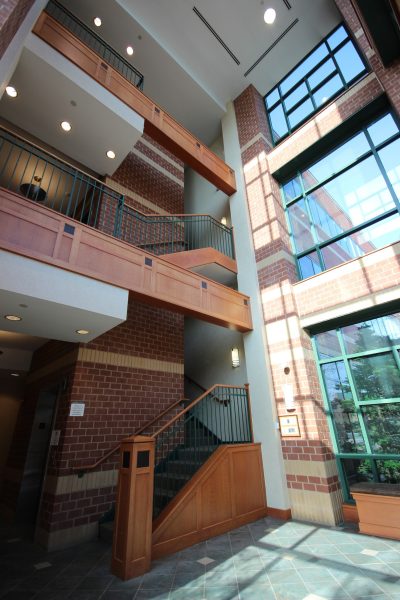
column 46, row 84
column 185, row 68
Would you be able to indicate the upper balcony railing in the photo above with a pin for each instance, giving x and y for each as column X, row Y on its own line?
column 93, row 41
column 166, row 234
column 42, row 177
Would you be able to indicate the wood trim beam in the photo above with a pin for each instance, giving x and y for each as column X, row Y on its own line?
column 40, row 233
column 158, row 123
column 201, row 257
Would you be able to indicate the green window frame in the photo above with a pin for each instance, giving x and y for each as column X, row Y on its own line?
column 325, row 230
column 362, row 398
column 332, row 66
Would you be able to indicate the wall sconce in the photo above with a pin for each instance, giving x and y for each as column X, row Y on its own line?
column 288, row 397
column 235, row 357
column 224, row 221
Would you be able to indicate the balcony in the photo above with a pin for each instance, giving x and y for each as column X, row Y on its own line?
column 68, row 36
column 51, row 211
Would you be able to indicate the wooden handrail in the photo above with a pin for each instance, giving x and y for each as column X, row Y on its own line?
column 224, row 402
column 136, row 432
column 196, row 401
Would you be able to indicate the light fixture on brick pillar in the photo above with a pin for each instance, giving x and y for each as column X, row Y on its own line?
column 235, row 357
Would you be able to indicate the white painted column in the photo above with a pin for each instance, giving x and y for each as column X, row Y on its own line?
column 257, row 361
column 11, row 56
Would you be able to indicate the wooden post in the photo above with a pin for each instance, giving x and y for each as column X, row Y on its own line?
column 131, row 554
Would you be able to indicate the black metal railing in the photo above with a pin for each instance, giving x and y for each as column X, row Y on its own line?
column 95, row 43
column 176, row 233
column 219, row 416
column 26, row 169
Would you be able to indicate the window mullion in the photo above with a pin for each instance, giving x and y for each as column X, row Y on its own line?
column 383, row 170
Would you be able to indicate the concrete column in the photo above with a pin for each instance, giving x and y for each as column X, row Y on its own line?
column 258, row 370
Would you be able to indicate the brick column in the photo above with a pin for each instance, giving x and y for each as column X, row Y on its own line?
column 310, row 467
column 12, row 13
column 388, row 77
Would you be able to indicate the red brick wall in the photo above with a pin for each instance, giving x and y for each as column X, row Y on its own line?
column 118, row 400
column 144, row 178
column 12, row 14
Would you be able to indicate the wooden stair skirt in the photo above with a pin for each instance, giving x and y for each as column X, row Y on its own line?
column 228, row 491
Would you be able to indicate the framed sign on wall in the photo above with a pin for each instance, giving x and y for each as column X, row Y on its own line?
column 289, row 426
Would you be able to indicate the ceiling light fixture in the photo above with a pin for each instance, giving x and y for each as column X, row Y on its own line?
column 14, row 374
column 110, row 153
column 13, row 318
column 11, row 91
column 269, row 16
column 66, row 126
column 82, row 331
column 130, row 50
column 97, row 21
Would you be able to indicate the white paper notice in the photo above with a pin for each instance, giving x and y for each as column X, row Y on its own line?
column 77, row 409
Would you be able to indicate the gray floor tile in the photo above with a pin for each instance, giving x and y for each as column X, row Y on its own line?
column 289, row 591
column 222, row 593
column 220, row 579
column 155, row 581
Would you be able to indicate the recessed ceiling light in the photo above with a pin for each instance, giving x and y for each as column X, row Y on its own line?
column 130, row 50
column 11, row 91
column 110, row 153
column 97, row 21
column 66, row 126
column 82, row 331
column 14, row 374
column 13, row 318
column 269, row 16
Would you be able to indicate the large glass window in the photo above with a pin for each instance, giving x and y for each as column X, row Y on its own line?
column 331, row 67
column 359, row 367
column 347, row 203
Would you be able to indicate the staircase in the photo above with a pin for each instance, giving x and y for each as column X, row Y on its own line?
column 219, row 416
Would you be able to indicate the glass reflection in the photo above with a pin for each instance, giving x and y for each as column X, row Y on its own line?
column 309, row 265
column 348, row 431
column 382, row 422
column 376, row 377
column 300, row 226
column 328, row 344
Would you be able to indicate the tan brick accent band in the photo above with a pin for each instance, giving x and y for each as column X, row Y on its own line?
column 64, row 538
column 121, row 189
column 317, row 507
column 69, row 484
column 130, row 362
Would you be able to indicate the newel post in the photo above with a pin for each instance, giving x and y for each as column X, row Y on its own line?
column 131, row 553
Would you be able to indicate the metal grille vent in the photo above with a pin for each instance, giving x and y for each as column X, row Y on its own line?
column 264, row 54
column 215, row 34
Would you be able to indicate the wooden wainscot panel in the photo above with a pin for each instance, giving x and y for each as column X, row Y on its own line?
column 158, row 124
column 227, row 492
column 39, row 232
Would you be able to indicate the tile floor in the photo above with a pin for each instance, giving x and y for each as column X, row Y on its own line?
column 267, row 560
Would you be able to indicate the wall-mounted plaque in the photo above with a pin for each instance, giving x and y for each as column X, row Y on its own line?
column 289, row 426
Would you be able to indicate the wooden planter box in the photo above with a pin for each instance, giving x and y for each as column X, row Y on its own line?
column 378, row 506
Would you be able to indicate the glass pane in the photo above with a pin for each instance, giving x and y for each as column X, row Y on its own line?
column 350, row 199
column 335, row 161
column 272, row 97
column 382, row 422
column 376, row 377
column 383, row 129
column 367, row 335
column 348, row 431
column 337, row 37
column 357, row 470
column 304, row 67
column 328, row 90
column 349, row 62
column 321, row 73
column 309, row 265
column 328, row 344
column 300, row 226
column 389, row 471
column 357, row 244
column 278, row 122
column 292, row 189
column 301, row 113
column 296, row 96
column 392, row 326
column 390, row 156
